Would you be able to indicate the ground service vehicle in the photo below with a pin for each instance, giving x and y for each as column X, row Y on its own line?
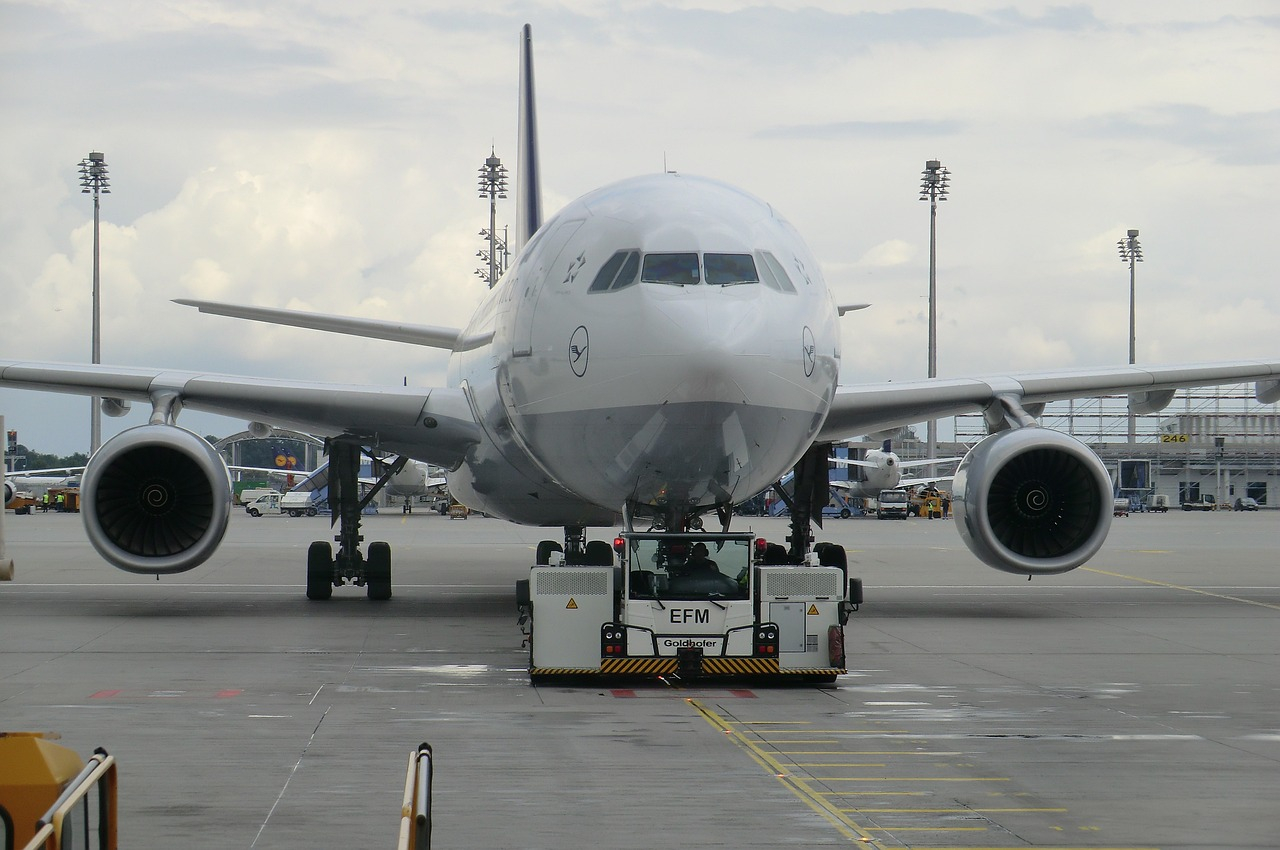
column 1204, row 503
column 690, row 604
column 267, row 503
column 1158, row 503
column 247, row 496
column 892, row 504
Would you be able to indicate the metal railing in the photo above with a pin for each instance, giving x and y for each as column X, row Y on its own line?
column 415, row 809
column 79, row 819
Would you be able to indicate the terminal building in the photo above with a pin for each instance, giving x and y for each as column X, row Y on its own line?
column 1215, row 442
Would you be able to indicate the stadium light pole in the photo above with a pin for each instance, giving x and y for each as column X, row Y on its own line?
column 493, row 185
column 93, row 180
column 935, row 182
column 1131, row 253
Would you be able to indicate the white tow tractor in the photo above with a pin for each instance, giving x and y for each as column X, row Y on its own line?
column 690, row 604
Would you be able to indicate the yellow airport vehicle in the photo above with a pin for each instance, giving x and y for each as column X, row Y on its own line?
column 45, row 789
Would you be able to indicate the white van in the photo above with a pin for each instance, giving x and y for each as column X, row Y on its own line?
column 267, row 503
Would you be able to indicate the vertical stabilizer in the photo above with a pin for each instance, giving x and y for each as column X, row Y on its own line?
column 528, row 175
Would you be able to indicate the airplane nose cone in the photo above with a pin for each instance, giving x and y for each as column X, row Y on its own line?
column 708, row 345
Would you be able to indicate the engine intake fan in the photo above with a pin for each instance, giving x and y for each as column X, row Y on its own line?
column 1032, row 501
column 156, row 500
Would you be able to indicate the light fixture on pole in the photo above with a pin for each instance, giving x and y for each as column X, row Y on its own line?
column 1131, row 253
column 93, row 180
column 493, row 185
column 935, row 182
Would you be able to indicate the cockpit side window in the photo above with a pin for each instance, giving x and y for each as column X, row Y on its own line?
column 775, row 276
column 730, row 269
column 673, row 269
column 617, row 273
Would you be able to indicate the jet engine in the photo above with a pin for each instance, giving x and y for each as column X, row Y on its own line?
column 155, row 500
column 1032, row 501
column 8, row 492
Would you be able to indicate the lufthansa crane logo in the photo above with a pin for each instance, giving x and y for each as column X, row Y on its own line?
column 810, row 352
column 578, row 346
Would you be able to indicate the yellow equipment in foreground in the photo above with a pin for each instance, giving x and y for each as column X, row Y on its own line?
column 46, row 792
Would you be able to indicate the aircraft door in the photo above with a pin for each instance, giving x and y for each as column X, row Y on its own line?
column 544, row 264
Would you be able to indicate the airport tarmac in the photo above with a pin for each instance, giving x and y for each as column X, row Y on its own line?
column 1134, row 702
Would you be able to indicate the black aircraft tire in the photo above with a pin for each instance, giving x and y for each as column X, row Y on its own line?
column 319, row 570
column 545, row 548
column 378, row 583
column 599, row 554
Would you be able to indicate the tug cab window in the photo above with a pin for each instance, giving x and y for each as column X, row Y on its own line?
column 671, row 269
column 619, row 272
column 689, row 567
column 730, row 269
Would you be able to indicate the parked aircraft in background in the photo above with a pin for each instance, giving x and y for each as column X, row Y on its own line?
column 662, row 348
column 38, row 481
column 882, row 469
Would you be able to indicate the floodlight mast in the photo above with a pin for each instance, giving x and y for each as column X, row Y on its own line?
column 493, row 185
column 94, row 180
column 935, row 182
column 1131, row 253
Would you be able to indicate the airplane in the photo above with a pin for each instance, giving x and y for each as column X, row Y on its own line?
column 882, row 470
column 660, row 349
column 38, row 481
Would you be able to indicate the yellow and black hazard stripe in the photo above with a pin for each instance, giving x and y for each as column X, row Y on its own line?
column 563, row 671
column 638, row 666
column 738, row 666
column 712, row 666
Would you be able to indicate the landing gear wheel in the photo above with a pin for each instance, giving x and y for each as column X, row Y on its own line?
column 545, row 548
column 599, row 554
column 319, row 570
column 378, row 571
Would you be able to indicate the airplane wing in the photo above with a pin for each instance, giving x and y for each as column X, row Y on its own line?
column 861, row 408
column 427, row 335
column 434, row 425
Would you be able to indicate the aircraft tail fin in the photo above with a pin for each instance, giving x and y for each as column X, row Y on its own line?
column 528, row 174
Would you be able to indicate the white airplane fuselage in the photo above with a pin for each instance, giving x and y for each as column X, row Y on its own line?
column 648, row 394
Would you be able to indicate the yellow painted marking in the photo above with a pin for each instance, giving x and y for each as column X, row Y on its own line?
column 1173, row 586
column 927, row 829
column 910, row 779
column 834, row 732
column 795, row 784
column 572, row 605
column 876, row 793
column 838, row 764
column 949, row 811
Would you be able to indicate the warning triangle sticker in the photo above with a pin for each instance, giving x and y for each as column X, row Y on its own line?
column 572, row 605
column 813, row 610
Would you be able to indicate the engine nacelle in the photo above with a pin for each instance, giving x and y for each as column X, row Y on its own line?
column 155, row 500
column 1032, row 501
column 8, row 492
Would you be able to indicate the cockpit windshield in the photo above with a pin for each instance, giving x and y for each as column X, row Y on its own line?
column 730, row 269
column 674, row 269
column 689, row 567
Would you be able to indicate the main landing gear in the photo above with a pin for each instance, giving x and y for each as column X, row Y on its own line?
column 577, row 549
column 325, row 571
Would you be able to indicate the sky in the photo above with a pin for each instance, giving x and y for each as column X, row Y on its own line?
column 322, row 155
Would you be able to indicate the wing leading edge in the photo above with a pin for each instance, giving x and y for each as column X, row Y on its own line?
column 434, row 425
column 865, row 408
